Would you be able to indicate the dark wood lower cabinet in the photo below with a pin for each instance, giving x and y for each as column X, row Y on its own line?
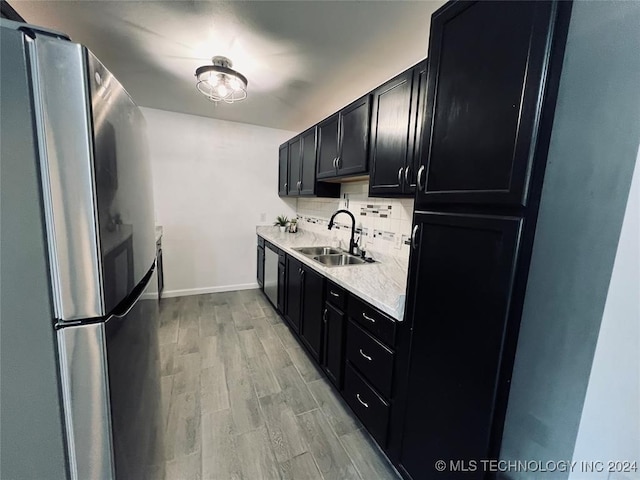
column 260, row 268
column 293, row 297
column 282, row 286
column 370, row 407
column 333, row 358
column 461, row 281
column 312, row 309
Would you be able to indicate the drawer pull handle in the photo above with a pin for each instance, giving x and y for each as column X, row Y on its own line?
column 365, row 355
column 360, row 400
column 334, row 293
column 372, row 320
column 324, row 316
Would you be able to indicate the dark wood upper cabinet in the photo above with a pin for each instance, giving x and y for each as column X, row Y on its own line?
column 486, row 84
column 391, row 135
column 343, row 141
column 311, row 321
column 461, row 282
column 283, row 169
column 328, row 133
column 308, row 163
column 354, row 138
column 295, row 165
column 301, row 168
column 419, row 107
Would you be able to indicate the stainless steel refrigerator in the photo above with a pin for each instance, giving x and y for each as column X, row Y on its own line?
column 80, row 384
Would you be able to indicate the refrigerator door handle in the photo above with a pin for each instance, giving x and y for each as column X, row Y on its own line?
column 123, row 310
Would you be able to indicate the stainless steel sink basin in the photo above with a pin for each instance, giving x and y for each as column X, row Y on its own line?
column 313, row 251
column 338, row 260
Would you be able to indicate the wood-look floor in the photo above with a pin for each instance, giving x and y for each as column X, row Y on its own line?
column 242, row 400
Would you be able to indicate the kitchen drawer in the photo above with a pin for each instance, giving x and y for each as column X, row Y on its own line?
column 260, row 241
column 371, row 358
column 373, row 320
column 370, row 408
column 336, row 295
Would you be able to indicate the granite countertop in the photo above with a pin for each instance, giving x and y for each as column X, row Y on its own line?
column 382, row 284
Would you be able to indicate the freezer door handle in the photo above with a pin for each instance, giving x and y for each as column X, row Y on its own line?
column 122, row 311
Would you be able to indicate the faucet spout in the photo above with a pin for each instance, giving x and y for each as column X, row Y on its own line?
column 352, row 243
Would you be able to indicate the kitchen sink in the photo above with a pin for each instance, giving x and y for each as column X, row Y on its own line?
column 338, row 260
column 313, row 251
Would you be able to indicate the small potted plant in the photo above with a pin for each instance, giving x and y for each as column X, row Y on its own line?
column 281, row 221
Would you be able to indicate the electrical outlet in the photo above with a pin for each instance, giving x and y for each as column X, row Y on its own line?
column 397, row 241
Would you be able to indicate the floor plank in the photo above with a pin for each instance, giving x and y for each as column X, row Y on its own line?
column 331, row 458
column 304, row 364
column 219, row 455
column 340, row 417
column 294, row 390
column 258, row 461
column 364, row 455
column 301, row 467
column 282, row 425
column 213, row 389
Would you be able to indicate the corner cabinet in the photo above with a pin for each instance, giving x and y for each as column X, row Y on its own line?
column 396, row 120
column 343, row 141
column 485, row 95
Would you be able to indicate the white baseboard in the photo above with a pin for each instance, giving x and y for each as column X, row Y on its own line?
column 200, row 291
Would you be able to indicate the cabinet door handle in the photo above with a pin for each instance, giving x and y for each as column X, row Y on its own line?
column 334, row 293
column 285, row 186
column 360, row 400
column 372, row 320
column 406, row 174
column 400, row 176
column 324, row 316
column 414, row 234
column 335, row 160
column 299, row 185
column 338, row 162
column 419, row 178
column 365, row 355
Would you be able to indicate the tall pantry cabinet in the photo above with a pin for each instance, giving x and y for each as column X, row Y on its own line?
column 492, row 80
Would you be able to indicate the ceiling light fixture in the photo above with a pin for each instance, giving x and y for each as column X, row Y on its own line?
column 219, row 83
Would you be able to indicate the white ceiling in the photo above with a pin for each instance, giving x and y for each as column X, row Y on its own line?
column 304, row 59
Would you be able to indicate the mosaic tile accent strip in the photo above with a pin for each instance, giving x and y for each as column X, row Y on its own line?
column 386, row 236
column 372, row 210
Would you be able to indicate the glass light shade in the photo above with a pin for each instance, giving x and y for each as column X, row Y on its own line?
column 219, row 83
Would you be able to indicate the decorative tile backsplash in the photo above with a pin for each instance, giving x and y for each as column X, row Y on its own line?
column 383, row 225
column 381, row 211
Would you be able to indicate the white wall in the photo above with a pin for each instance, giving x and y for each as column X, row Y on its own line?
column 214, row 181
column 610, row 423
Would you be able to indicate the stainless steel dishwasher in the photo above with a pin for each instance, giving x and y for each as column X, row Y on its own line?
column 271, row 274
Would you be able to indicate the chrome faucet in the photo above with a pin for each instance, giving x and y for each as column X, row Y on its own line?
column 352, row 243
